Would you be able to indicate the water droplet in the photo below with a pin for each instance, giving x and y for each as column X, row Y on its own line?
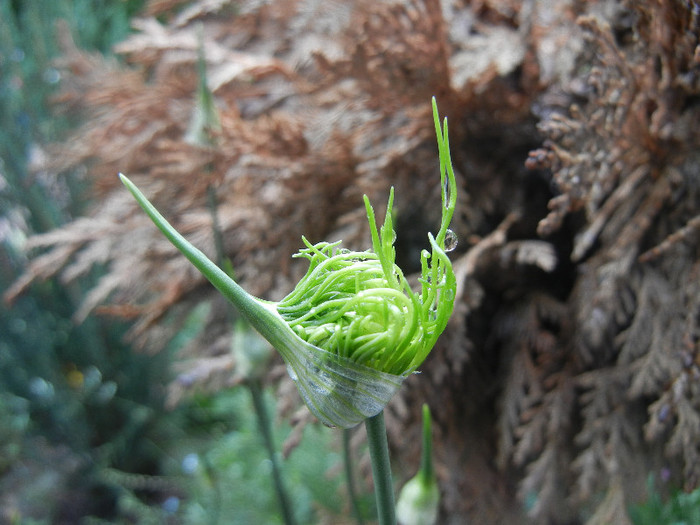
column 186, row 379
column 51, row 76
column 17, row 55
column 451, row 240
column 41, row 389
column 292, row 373
column 171, row 505
column 190, row 463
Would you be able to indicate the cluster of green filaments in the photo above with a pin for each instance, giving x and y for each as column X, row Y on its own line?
column 347, row 306
column 359, row 305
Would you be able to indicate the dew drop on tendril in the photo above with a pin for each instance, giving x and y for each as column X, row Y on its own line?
column 450, row 240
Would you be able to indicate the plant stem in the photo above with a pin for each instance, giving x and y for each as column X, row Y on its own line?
column 381, row 469
column 254, row 384
column 349, row 477
column 214, row 480
column 426, row 461
column 212, row 203
column 256, row 393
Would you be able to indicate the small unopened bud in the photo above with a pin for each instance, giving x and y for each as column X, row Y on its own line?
column 420, row 497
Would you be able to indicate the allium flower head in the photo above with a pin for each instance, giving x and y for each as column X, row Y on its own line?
column 359, row 305
column 352, row 329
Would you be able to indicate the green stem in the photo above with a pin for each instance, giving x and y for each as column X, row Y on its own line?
column 254, row 385
column 261, row 315
column 349, row 477
column 214, row 509
column 381, row 469
column 426, row 462
column 256, row 393
column 212, row 203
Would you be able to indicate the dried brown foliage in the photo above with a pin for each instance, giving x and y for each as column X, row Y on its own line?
column 571, row 368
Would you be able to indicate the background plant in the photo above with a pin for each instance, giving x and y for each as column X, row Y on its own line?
column 85, row 431
column 226, row 471
column 679, row 508
column 57, row 380
column 577, row 309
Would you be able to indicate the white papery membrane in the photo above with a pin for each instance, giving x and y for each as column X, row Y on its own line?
column 338, row 391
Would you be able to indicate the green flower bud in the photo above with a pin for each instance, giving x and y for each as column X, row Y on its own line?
column 358, row 305
column 418, row 502
column 352, row 329
column 420, row 497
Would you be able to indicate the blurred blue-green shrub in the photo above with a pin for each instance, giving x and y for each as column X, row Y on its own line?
column 680, row 508
column 85, row 437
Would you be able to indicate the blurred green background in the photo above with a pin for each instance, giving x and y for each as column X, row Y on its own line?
column 85, row 437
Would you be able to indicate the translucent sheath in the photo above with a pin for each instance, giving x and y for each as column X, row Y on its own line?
column 338, row 391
